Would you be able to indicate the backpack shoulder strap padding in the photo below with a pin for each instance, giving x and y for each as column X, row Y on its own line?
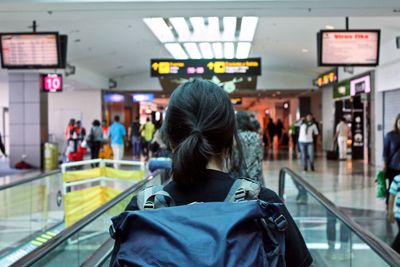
column 154, row 197
column 243, row 189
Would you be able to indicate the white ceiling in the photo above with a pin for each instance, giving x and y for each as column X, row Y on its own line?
column 114, row 41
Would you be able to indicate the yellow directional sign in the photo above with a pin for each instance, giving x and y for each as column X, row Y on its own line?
column 155, row 66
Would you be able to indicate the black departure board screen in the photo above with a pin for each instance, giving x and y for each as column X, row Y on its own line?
column 29, row 50
column 205, row 68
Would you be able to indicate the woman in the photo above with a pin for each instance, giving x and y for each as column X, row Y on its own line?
column 200, row 128
column 308, row 130
column 391, row 153
column 252, row 150
column 95, row 140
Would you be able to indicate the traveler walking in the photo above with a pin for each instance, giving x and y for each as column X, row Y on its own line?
column 134, row 135
column 147, row 131
column 2, row 148
column 251, row 146
column 391, row 153
column 95, row 140
column 342, row 133
column 200, row 128
column 117, row 133
column 271, row 129
column 308, row 130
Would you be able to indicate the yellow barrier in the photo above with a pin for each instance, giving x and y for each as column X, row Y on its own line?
column 74, row 176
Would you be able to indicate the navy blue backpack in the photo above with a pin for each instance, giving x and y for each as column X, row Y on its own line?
column 242, row 231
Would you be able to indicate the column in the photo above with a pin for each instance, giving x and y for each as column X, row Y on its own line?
column 28, row 118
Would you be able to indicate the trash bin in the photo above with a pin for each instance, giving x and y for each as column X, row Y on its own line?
column 50, row 156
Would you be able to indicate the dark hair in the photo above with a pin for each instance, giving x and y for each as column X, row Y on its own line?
column 343, row 119
column 147, row 119
column 71, row 122
column 96, row 123
column 396, row 128
column 116, row 118
column 199, row 124
column 78, row 122
column 243, row 121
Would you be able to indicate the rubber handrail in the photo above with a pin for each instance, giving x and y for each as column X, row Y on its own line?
column 28, row 180
column 381, row 248
column 47, row 247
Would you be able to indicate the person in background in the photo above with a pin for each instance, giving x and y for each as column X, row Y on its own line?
column 134, row 135
column 308, row 130
column 95, row 140
column 117, row 134
column 2, row 148
column 251, row 146
column 105, row 128
column 80, row 131
column 147, row 131
column 342, row 133
column 271, row 129
column 71, row 136
column 255, row 123
column 391, row 153
column 279, row 131
column 394, row 192
column 315, row 136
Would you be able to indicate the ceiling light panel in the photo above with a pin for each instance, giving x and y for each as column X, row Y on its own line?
column 229, row 50
column 248, row 28
column 176, row 51
column 206, row 50
column 160, row 29
column 192, row 50
column 217, row 48
column 229, row 28
column 197, row 23
column 181, row 28
column 243, row 50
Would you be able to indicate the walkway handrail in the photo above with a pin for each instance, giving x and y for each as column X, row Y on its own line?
column 47, row 247
column 28, row 180
column 381, row 248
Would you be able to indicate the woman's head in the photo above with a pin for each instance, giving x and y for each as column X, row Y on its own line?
column 243, row 121
column 397, row 123
column 199, row 125
column 96, row 123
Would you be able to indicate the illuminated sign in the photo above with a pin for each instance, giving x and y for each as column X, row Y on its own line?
column 236, row 100
column 206, row 68
column 52, row 82
column 326, row 79
column 143, row 97
column 341, row 90
column 113, row 98
column 360, row 85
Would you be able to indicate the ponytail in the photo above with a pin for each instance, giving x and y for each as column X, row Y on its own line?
column 190, row 159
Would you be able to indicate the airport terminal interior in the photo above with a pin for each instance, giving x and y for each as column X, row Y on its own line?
column 85, row 89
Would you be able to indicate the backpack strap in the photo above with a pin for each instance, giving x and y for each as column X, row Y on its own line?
column 243, row 189
column 154, row 197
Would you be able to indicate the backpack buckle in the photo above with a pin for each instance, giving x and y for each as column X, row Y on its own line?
column 240, row 194
column 149, row 205
column 111, row 231
column 281, row 223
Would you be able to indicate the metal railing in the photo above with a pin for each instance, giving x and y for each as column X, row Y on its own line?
column 53, row 243
column 28, row 180
column 381, row 248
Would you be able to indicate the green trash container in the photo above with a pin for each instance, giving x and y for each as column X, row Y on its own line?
column 50, row 156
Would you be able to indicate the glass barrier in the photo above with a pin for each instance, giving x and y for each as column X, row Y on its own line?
column 29, row 208
column 80, row 246
column 329, row 239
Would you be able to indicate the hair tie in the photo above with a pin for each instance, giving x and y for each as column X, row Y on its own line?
column 197, row 132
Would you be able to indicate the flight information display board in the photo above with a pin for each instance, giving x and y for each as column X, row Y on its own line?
column 349, row 48
column 29, row 50
column 205, row 68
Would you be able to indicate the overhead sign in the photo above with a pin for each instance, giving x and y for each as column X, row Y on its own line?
column 205, row 68
column 349, row 48
column 143, row 97
column 360, row 85
column 52, row 82
column 327, row 78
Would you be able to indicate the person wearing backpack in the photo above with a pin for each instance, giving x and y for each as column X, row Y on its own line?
column 203, row 217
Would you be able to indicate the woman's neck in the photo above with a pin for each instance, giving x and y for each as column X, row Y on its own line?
column 216, row 163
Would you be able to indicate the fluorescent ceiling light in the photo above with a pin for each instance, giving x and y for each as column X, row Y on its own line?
column 229, row 50
column 217, row 47
column 160, row 29
column 304, row 50
column 180, row 27
column 197, row 23
column 213, row 24
column 229, row 27
column 206, row 50
column 176, row 50
column 248, row 28
column 329, row 27
column 192, row 50
column 243, row 50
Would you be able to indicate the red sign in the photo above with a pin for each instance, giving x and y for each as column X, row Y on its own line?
column 52, row 83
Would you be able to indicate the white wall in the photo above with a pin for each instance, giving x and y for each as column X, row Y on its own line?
column 84, row 105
